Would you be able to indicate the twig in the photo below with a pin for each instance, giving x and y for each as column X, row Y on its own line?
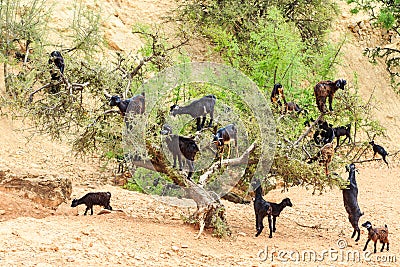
column 41, row 88
column 308, row 130
column 317, row 226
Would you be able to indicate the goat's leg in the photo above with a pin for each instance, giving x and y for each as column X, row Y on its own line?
column 358, row 234
column 354, row 233
column 260, row 227
column 366, row 244
column 237, row 149
column 257, row 222
column 387, row 246
column 180, row 161
column 384, row 159
column 375, row 246
column 174, row 156
column 383, row 246
column 198, row 125
column 91, row 210
column 270, row 226
column 211, row 118
column 274, row 224
column 87, row 209
column 203, row 122
column 229, row 150
column 330, row 98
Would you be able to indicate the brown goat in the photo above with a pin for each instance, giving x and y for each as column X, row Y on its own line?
column 326, row 89
column 277, row 93
column 376, row 234
column 324, row 156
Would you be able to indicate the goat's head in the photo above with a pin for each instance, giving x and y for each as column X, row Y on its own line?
column 351, row 167
column 166, row 129
column 256, row 183
column 217, row 140
column 372, row 142
column 287, row 202
column 115, row 100
column 367, row 224
column 55, row 54
column 173, row 108
column 340, row 83
column 74, row 203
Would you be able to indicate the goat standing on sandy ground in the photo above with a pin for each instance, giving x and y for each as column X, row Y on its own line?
column 350, row 201
column 224, row 136
column 376, row 234
column 326, row 89
column 277, row 209
column 91, row 199
column 262, row 208
column 342, row 131
column 197, row 109
column 181, row 146
column 380, row 150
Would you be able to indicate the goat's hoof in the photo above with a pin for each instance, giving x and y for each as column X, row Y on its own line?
column 270, row 236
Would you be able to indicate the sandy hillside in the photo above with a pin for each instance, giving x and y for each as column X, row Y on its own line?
column 147, row 232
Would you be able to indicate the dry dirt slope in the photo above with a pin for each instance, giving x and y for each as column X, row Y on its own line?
column 150, row 233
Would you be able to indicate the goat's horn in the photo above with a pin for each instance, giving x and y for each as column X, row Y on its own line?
column 106, row 94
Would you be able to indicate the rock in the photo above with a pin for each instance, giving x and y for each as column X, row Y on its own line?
column 47, row 190
column 242, row 234
column 2, row 212
column 175, row 248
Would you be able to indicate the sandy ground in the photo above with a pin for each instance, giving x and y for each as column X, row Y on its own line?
column 147, row 232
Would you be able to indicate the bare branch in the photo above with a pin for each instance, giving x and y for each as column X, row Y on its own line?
column 308, row 130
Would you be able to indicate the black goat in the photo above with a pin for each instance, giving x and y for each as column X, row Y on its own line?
column 262, row 208
column 277, row 209
column 376, row 234
column 56, row 59
column 90, row 199
column 134, row 105
column 326, row 89
column 224, row 136
column 181, row 146
column 197, row 109
column 350, row 201
column 380, row 150
column 342, row 131
column 324, row 133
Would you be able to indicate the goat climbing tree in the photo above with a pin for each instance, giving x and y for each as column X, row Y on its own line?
column 141, row 144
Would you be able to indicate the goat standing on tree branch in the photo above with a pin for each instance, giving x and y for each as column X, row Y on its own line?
column 326, row 89
column 197, row 109
column 224, row 136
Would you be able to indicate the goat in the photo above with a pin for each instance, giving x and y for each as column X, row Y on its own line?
column 277, row 92
column 342, row 131
column 376, row 234
column 324, row 156
column 224, row 136
column 181, row 146
column 197, row 109
column 292, row 106
column 325, row 89
column 380, row 150
column 277, row 209
column 134, row 105
column 262, row 208
column 350, row 194
column 324, row 133
column 90, row 199
column 58, row 60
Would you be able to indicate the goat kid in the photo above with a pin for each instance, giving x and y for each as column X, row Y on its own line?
column 91, row 199
column 181, row 146
column 380, row 150
column 325, row 89
column 376, row 234
column 197, row 109
column 277, row 94
column 277, row 209
column 134, row 105
column 350, row 201
column 342, row 131
column 56, row 59
column 224, row 136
